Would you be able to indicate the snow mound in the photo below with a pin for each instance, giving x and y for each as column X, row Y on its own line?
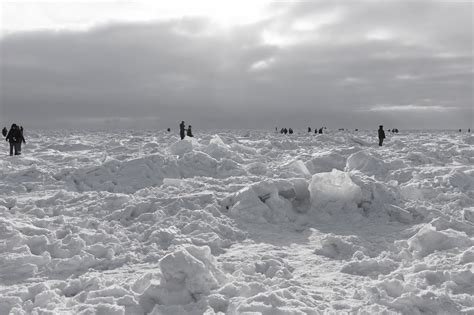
column 367, row 163
column 188, row 274
column 326, row 162
column 219, row 150
column 371, row 267
column 267, row 201
column 429, row 240
column 338, row 247
column 335, row 188
column 128, row 176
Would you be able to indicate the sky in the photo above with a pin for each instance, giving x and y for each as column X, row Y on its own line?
column 247, row 64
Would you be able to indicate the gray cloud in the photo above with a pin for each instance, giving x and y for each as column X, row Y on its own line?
column 156, row 74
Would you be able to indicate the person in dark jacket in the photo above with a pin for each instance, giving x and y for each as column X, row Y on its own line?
column 381, row 135
column 182, row 130
column 189, row 132
column 15, row 137
column 290, row 131
column 4, row 131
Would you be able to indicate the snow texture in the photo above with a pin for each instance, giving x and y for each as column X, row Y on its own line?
column 238, row 222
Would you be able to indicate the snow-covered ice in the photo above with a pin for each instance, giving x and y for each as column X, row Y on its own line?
column 237, row 222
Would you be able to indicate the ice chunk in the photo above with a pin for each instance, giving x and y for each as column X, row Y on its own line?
column 335, row 186
column 367, row 163
column 429, row 240
column 181, row 147
column 188, row 273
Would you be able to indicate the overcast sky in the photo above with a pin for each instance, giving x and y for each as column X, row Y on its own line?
column 237, row 64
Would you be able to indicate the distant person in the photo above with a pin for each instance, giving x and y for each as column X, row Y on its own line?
column 469, row 130
column 309, row 129
column 321, row 130
column 356, row 129
column 189, row 132
column 182, row 130
column 381, row 135
column 169, row 129
column 459, row 130
column 4, row 131
column 290, row 131
column 15, row 137
column 285, row 131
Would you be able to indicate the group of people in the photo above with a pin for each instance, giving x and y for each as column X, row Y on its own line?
column 15, row 137
column 320, row 130
column 183, row 132
column 285, row 131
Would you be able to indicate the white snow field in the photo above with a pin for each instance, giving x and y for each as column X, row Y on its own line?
column 237, row 222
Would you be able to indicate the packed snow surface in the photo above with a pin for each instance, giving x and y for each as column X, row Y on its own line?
column 237, row 222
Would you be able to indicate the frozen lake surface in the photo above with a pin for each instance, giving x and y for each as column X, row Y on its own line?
column 230, row 222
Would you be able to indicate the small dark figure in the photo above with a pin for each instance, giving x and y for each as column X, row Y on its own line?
column 182, row 130
column 309, row 129
column 356, row 129
column 381, row 135
column 459, row 130
column 321, row 130
column 169, row 129
column 189, row 133
column 15, row 137
column 469, row 130
column 282, row 131
column 4, row 131
column 285, row 131
column 290, row 131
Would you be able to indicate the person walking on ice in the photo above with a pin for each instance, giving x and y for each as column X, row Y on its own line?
column 381, row 135
column 15, row 137
column 182, row 131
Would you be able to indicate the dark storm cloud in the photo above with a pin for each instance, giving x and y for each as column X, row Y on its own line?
column 400, row 63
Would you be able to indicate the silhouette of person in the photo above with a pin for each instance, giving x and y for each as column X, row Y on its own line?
column 469, row 130
column 381, row 135
column 169, row 129
column 4, row 131
column 309, row 129
column 182, row 130
column 290, row 131
column 189, row 133
column 321, row 130
column 15, row 137
column 459, row 130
